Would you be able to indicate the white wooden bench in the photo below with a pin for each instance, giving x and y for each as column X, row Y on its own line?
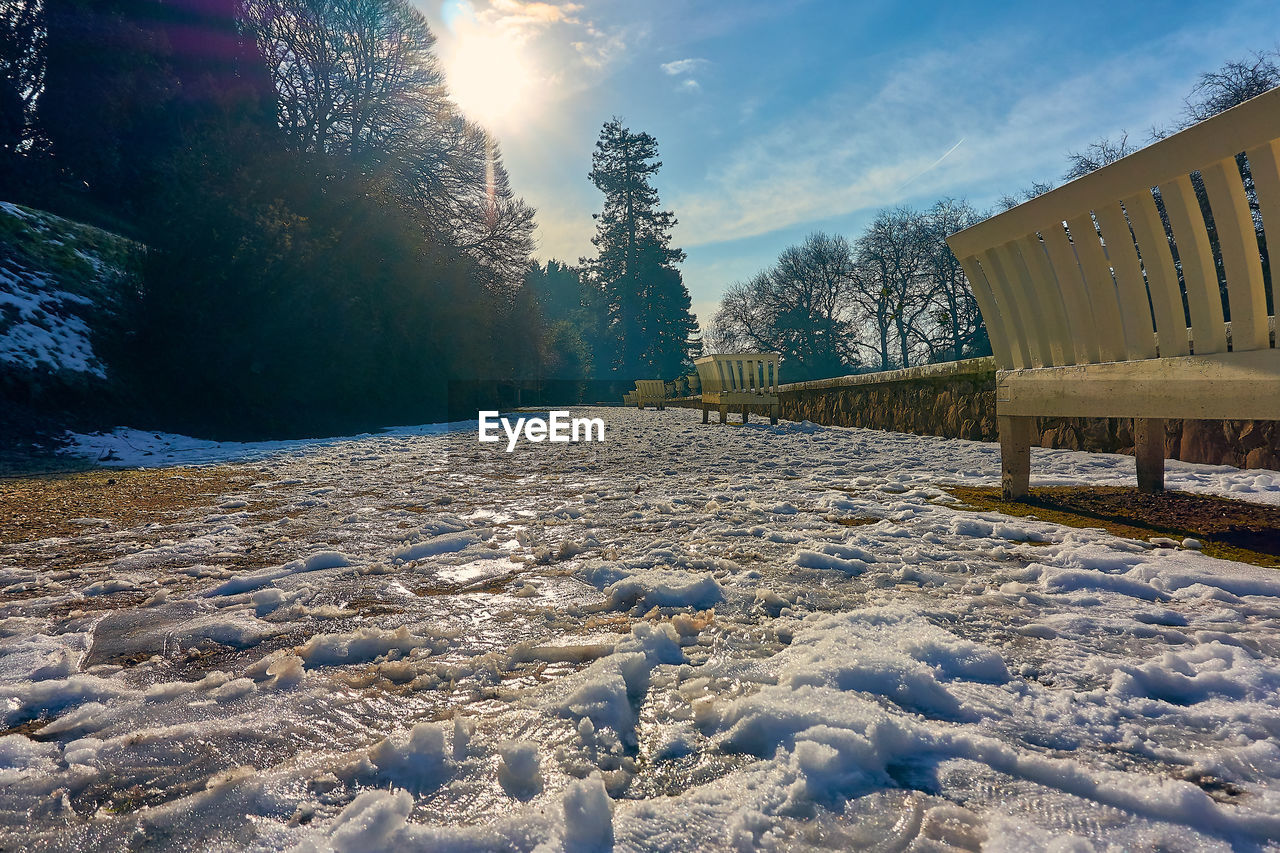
column 1080, row 292
column 742, row 379
column 651, row 392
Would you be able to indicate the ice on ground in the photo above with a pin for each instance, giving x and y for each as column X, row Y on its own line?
column 625, row 587
column 687, row 637
column 363, row 645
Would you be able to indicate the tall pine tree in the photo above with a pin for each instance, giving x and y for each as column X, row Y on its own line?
column 635, row 266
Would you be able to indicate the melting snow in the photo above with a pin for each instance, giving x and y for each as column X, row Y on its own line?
column 669, row 641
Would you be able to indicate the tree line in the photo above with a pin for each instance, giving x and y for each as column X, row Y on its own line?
column 331, row 243
column 895, row 295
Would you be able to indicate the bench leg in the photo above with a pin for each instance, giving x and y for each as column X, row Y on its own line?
column 724, row 414
column 745, row 414
column 773, row 415
column 662, row 407
column 1015, row 455
column 1148, row 451
column 706, row 414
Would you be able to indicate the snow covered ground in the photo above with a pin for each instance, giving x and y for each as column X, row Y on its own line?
column 37, row 326
column 687, row 637
column 56, row 278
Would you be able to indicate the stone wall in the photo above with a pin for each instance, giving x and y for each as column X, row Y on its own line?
column 957, row 400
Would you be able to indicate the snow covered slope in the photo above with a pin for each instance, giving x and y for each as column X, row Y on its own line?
column 57, row 279
column 686, row 638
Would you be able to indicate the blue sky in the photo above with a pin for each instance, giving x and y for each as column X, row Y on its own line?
column 775, row 119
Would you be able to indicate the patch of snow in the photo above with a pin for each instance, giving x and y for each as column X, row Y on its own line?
column 421, row 645
column 39, row 326
column 362, row 645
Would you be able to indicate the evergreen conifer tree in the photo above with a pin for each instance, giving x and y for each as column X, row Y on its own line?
column 635, row 266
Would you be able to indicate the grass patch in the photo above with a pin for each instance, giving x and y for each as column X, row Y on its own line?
column 1229, row 529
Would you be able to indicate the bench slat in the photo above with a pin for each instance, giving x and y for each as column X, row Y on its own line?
column 1239, row 128
column 1075, row 298
column 1101, row 287
column 1162, row 276
column 1264, row 166
column 1018, row 283
column 986, row 299
column 1049, row 297
column 1131, row 290
column 1026, row 294
column 1204, row 300
column 1014, row 326
column 1240, row 261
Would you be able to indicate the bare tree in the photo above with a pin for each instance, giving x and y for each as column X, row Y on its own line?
column 958, row 330
column 1234, row 83
column 358, row 83
column 1099, row 153
column 800, row 307
column 892, row 289
column 1012, row 200
column 744, row 320
column 22, row 37
column 352, row 77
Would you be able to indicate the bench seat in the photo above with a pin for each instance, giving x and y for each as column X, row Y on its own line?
column 1207, row 387
column 740, row 380
column 1102, row 298
column 651, row 392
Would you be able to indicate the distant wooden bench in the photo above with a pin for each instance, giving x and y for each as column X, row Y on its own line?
column 651, row 392
column 1080, row 291
column 629, row 398
column 743, row 379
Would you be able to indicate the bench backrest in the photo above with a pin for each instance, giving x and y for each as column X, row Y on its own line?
column 1086, row 273
column 748, row 372
column 651, row 389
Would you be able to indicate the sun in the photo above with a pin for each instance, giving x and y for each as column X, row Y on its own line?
column 489, row 78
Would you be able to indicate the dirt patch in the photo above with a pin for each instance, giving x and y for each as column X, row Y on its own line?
column 1230, row 529
column 30, row 728
column 850, row 521
column 67, row 504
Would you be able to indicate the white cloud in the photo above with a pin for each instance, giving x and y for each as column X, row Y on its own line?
column 860, row 149
column 599, row 48
column 521, row 17
column 684, row 66
column 690, row 85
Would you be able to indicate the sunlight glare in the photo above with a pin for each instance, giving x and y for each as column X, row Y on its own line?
column 488, row 78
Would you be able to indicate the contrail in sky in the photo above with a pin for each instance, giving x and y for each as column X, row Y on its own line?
column 932, row 165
